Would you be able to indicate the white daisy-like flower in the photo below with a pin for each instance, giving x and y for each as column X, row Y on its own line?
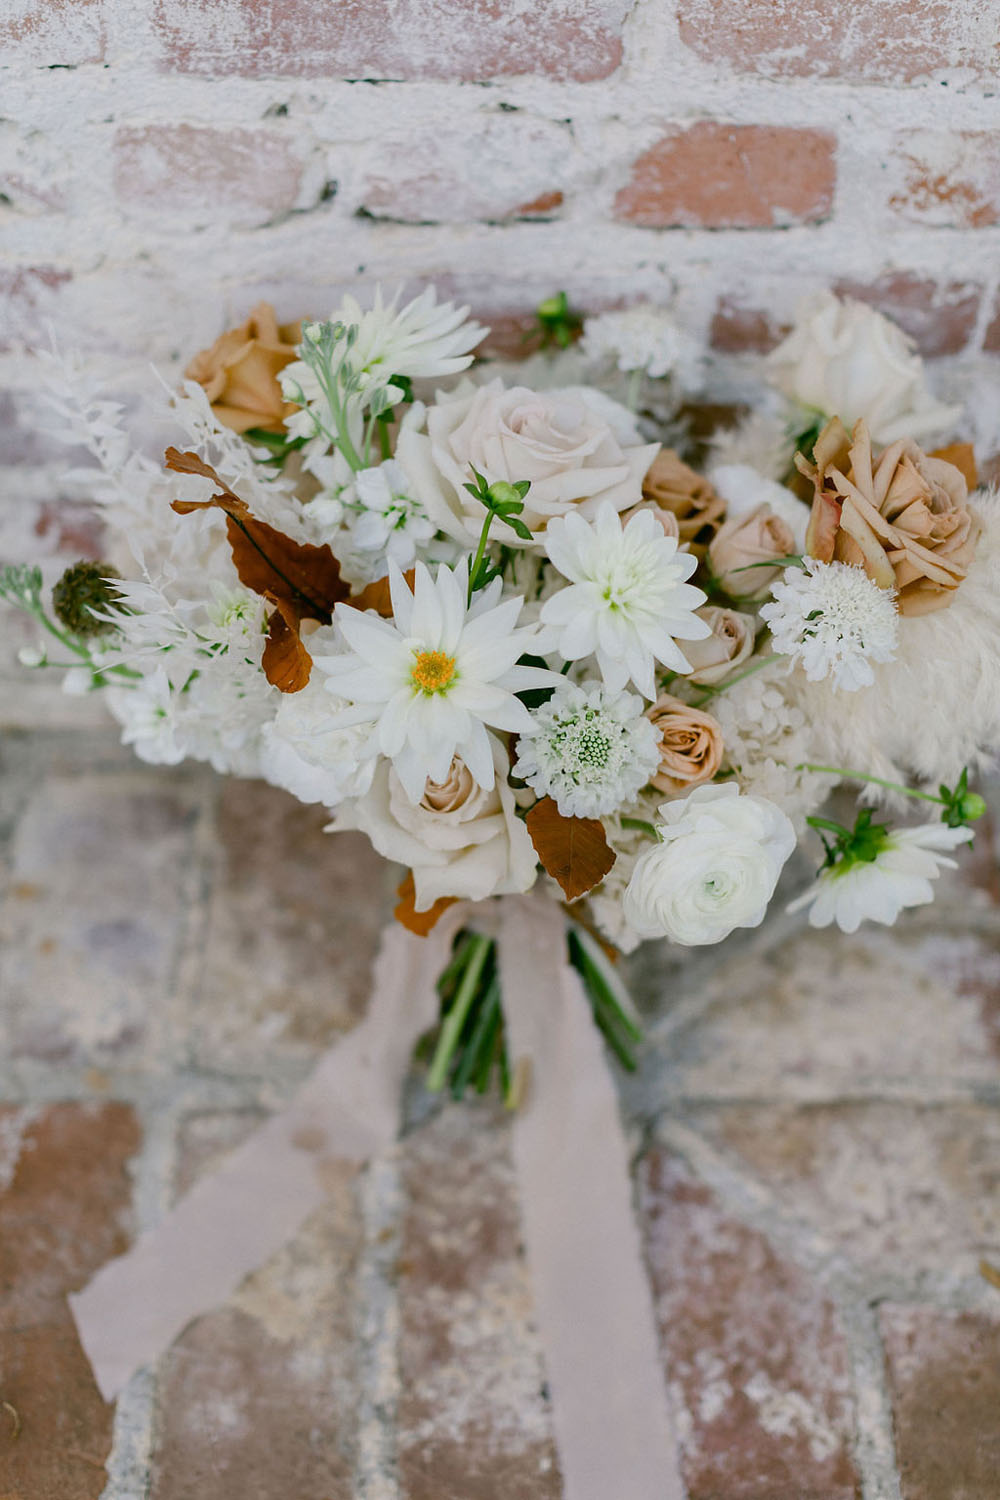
column 833, row 619
column 643, row 338
column 627, row 602
column 877, row 890
column 592, row 751
column 436, row 675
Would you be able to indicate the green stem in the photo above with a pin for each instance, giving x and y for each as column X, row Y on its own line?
column 481, row 1042
column 720, row 687
column 892, row 786
column 640, row 826
column 480, row 553
column 385, row 448
column 456, row 1017
column 634, row 389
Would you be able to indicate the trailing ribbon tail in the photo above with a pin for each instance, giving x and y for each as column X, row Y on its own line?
column 239, row 1215
column 592, row 1299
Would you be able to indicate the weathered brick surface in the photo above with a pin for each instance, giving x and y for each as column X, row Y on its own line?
column 259, row 1398
column 473, row 1417
column 28, row 297
column 454, row 39
column 198, row 174
column 92, row 916
column 738, row 328
column 52, row 33
column 287, row 960
column 732, row 177
column 64, row 1209
column 755, row 1359
column 944, row 1371
column 947, row 180
column 898, row 40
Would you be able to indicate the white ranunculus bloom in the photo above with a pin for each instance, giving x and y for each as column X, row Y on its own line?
column 577, row 447
column 877, row 890
column 846, row 360
column 714, row 869
column 459, row 840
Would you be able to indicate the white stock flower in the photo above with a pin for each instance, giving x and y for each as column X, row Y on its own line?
column 846, row 360
column 576, row 447
column 626, row 600
column 433, row 677
column 306, row 752
column 833, row 619
column 715, row 868
column 592, row 751
column 877, row 890
column 643, row 338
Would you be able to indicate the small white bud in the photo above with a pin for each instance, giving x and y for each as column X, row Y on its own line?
column 32, row 656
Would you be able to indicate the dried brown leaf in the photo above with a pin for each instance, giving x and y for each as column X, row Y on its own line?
column 574, row 851
column 376, row 595
column 286, row 662
column 418, row 922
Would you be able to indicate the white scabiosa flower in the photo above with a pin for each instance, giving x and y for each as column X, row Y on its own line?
column 434, row 676
column 592, row 750
column 897, row 873
column 642, row 338
column 833, row 619
column 627, row 601
column 714, row 869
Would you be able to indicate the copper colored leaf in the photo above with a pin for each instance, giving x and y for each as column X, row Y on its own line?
column 266, row 560
column 376, row 595
column 964, row 459
column 574, row 851
column 418, row 922
column 286, row 662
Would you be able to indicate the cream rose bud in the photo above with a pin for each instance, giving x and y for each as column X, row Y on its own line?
column 577, row 447
column 728, row 647
column 459, row 840
column 744, row 542
column 715, row 868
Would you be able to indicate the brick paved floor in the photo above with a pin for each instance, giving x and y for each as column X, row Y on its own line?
column 817, row 1136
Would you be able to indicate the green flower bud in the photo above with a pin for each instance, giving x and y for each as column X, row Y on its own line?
column 502, row 493
column 84, row 587
column 968, row 808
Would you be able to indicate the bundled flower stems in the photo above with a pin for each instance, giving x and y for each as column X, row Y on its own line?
column 486, row 617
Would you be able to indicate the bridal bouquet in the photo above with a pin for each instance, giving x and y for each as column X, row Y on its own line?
column 486, row 617
column 490, row 618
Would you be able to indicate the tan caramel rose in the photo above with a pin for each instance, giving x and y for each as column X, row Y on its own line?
column 728, row 647
column 240, row 371
column 902, row 517
column 673, row 487
column 691, row 746
column 744, row 542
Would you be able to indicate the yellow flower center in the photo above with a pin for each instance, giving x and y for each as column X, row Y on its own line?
column 432, row 671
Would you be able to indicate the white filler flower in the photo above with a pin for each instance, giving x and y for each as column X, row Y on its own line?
column 877, row 890
column 714, row 869
column 833, row 619
column 436, row 675
column 627, row 598
column 593, row 750
column 643, row 338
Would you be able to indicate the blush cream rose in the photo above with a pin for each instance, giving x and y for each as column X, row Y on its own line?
column 460, row 839
column 714, row 869
column 577, row 447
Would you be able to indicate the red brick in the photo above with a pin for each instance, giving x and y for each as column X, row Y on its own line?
column 944, row 1375
column 741, row 329
column 473, row 1420
column 719, row 176
column 940, row 316
column 450, row 39
column 948, row 181
column 258, row 1398
column 53, row 33
column 203, row 174
column 991, row 338
column 292, row 926
column 542, row 207
column 755, row 1358
column 27, row 299
column 64, row 1211
column 853, row 39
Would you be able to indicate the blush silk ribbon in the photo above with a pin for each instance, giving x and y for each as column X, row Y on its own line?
column 592, row 1299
